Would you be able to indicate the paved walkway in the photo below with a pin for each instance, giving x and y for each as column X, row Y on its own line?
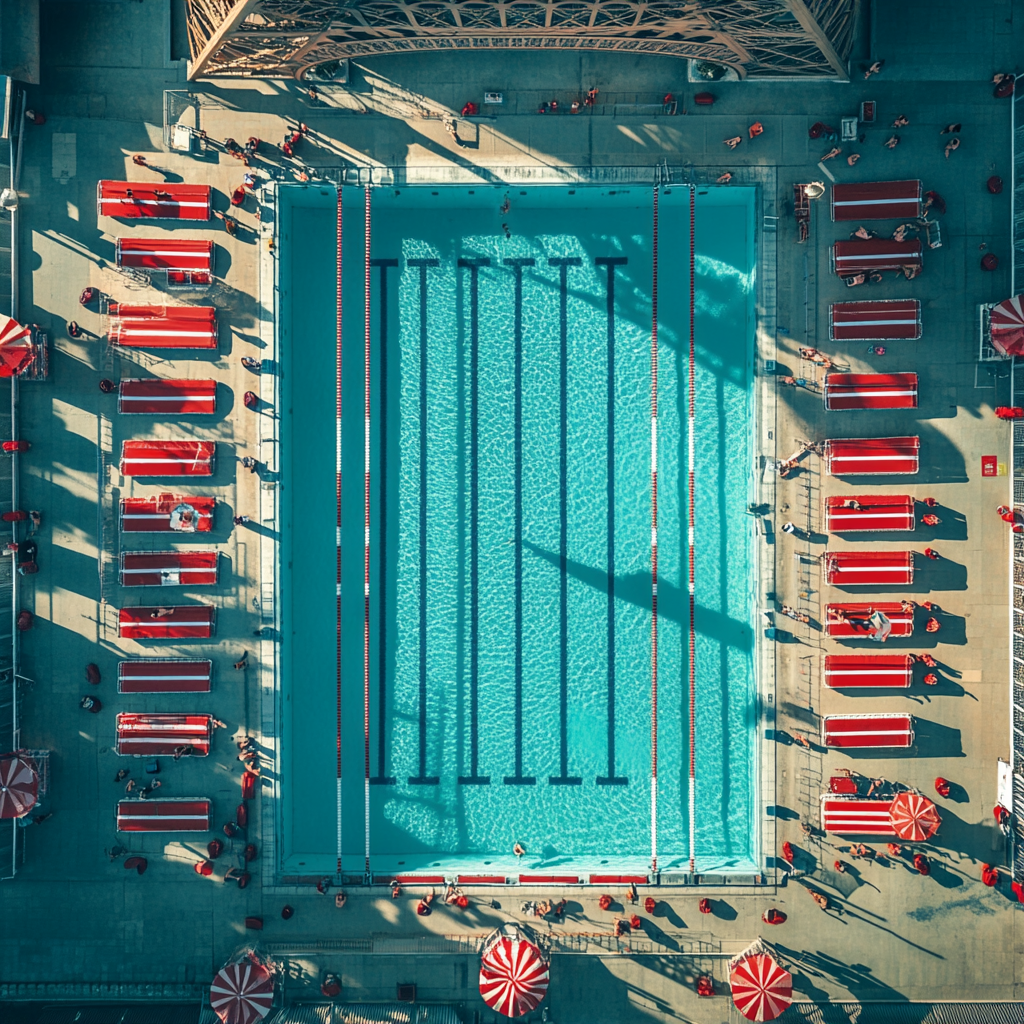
column 894, row 934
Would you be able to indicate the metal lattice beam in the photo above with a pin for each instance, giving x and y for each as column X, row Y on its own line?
column 283, row 38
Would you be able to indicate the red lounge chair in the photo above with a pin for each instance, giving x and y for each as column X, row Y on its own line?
column 870, row 391
column 156, row 515
column 167, row 458
column 188, row 814
column 134, row 200
column 151, row 675
column 871, row 456
column 156, row 397
column 868, row 568
column 877, row 200
column 885, row 320
column 856, row 816
column 168, row 568
column 855, row 625
column 186, row 261
column 156, row 735
column 194, row 621
column 868, row 671
column 861, row 731
column 162, row 326
column 859, row 257
column 876, row 512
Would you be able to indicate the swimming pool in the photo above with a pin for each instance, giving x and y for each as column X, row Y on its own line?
column 510, row 535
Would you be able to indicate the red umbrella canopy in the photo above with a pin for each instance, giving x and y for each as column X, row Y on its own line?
column 242, row 993
column 513, row 976
column 1006, row 323
column 761, row 989
column 19, row 787
column 16, row 349
column 914, row 817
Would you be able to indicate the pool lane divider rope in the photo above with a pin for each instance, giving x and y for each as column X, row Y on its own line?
column 654, row 535
column 691, row 533
column 517, row 264
column 611, row 262
column 423, row 779
column 382, row 779
column 474, row 778
column 367, row 284
column 337, row 477
column 563, row 778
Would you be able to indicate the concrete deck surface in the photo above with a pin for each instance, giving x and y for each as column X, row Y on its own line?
column 73, row 916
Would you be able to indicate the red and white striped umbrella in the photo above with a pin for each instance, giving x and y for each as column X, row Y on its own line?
column 761, row 989
column 19, row 787
column 242, row 993
column 1006, row 323
column 16, row 349
column 513, row 976
column 914, row 817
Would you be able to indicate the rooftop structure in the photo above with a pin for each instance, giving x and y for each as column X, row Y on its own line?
column 752, row 38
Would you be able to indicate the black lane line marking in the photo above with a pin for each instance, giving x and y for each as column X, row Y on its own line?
column 474, row 778
column 564, row 778
column 517, row 265
column 611, row 779
column 381, row 778
column 423, row 779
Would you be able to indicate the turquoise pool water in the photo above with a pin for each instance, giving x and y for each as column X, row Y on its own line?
column 510, row 673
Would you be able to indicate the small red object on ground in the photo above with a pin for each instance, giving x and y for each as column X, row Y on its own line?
column 254, row 924
column 989, row 875
column 1009, row 412
column 16, row 446
column 1018, row 891
column 650, row 905
column 92, row 674
column 773, row 916
column 25, row 620
column 704, row 906
column 139, row 863
column 942, row 786
column 704, row 99
column 705, row 986
column 214, row 848
column 251, row 399
column 787, row 852
column 204, row 868
column 242, row 814
column 990, row 261
column 635, row 923
column 995, row 184
column 604, row 902
column 922, row 865
column 17, row 516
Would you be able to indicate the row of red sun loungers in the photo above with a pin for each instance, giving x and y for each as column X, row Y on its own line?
column 885, row 320
column 186, row 263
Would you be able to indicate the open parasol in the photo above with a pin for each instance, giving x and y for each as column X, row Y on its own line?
column 914, row 817
column 16, row 349
column 19, row 786
column 1006, row 325
column 761, row 989
column 513, row 973
column 242, row 993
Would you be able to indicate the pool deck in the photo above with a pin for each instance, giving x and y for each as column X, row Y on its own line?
column 895, row 936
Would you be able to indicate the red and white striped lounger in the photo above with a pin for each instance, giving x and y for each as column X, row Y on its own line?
column 162, row 326
column 870, row 671
column 156, row 735
column 868, row 568
column 859, row 731
column 167, row 458
column 856, row 816
column 167, row 513
column 857, row 257
column 876, row 200
column 153, row 200
column 150, row 675
column 850, row 621
column 870, row 391
column 187, row 814
column 186, row 622
column 872, row 456
column 168, row 568
column 153, row 396
column 186, row 261
column 884, row 320
column 876, row 512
